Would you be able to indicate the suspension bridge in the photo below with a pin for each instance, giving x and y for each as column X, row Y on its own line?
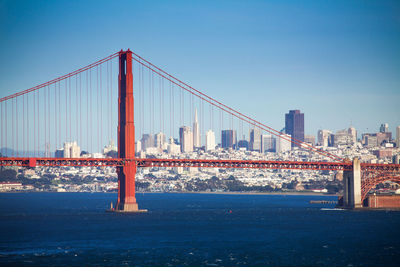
column 82, row 106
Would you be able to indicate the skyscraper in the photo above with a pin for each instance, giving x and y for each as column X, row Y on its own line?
column 196, row 132
column 111, row 147
column 384, row 128
column 147, row 141
column 71, row 150
column 353, row 132
column 255, row 140
column 309, row 139
column 186, row 139
column 172, row 147
column 228, row 138
column 159, row 140
column 210, row 140
column 344, row 137
column 294, row 125
column 268, row 143
column 398, row 136
column 323, row 137
column 138, row 147
column 283, row 145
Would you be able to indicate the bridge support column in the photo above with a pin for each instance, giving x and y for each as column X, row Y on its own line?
column 352, row 186
column 126, row 136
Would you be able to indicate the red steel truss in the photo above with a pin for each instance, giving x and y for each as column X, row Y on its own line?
column 200, row 163
column 371, row 178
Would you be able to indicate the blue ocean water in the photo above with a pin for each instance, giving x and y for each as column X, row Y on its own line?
column 73, row 229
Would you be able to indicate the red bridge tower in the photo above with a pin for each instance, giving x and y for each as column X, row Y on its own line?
column 126, row 135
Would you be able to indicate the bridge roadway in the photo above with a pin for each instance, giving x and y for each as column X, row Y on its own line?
column 200, row 163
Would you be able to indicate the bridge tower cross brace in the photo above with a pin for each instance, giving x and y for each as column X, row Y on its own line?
column 126, row 135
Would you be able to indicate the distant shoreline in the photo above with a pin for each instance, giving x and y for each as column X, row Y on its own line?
column 191, row 192
column 246, row 193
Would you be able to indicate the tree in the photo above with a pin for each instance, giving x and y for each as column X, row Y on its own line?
column 8, row 175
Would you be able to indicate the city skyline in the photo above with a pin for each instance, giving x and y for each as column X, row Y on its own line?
column 255, row 140
column 352, row 65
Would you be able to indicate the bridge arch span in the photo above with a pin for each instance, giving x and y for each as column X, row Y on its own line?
column 372, row 183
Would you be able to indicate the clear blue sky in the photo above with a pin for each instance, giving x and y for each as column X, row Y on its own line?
column 337, row 61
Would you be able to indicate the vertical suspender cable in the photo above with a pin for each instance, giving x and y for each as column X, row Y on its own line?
column 6, row 123
column 97, row 107
column 55, row 116
column 150, row 115
column 180, row 107
column 101, row 109
column 2, row 128
column 91, row 110
column 173, row 109
column 34, row 123
column 49, row 117
column 70, row 110
column 170, row 110
column 77, row 109
column 108, row 101
column 27, row 126
column 112, row 109
column 140, row 100
column 16, row 122
column 202, row 126
column 12, row 127
column 153, row 125
column 47, row 103
column 160, row 106
column 59, row 114
column 163, row 104
column 45, row 121
column 80, row 109
column 87, row 110
column 137, row 103
column 66, row 139
column 143, row 99
column 191, row 107
column 153, row 102
column 38, row 122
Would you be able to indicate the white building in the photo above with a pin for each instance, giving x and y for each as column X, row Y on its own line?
column 384, row 128
column 282, row 144
column 186, row 139
column 352, row 131
column 110, row 147
column 196, row 131
column 210, row 140
column 323, row 137
column 345, row 137
column 138, row 146
column 147, row 141
column 159, row 140
column 152, row 150
column 255, row 139
column 268, row 143
column 71, row 150
column 173, row 148
column 398, row 136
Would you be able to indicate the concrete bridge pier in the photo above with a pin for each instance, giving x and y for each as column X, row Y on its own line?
column 352, row 186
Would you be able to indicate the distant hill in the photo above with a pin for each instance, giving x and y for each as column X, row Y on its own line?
column 8, row 152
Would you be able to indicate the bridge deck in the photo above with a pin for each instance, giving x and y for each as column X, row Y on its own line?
column 201, row 163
